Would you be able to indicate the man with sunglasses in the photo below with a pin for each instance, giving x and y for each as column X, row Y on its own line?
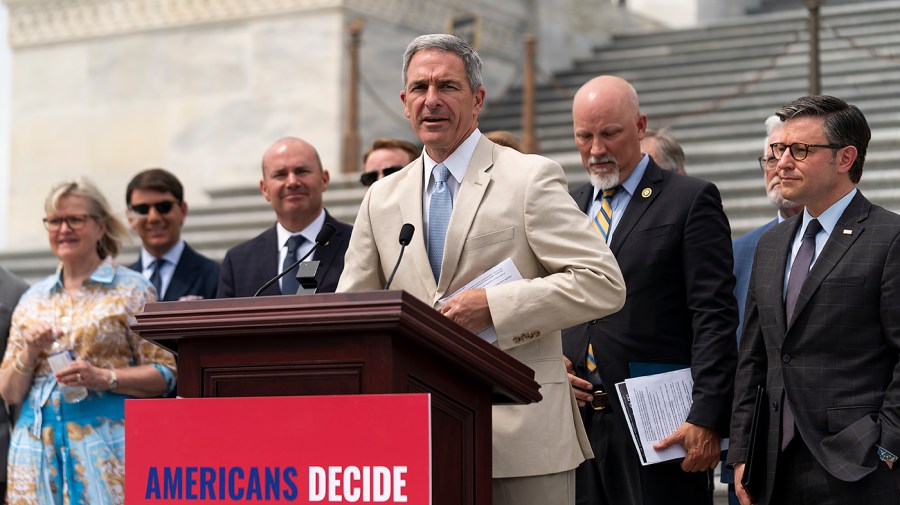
column 822, row 324
column 156, row 211
column 385, row 157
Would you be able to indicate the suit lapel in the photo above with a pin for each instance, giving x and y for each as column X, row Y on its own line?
column 471, row 192
column 837, row 245
column 583, row 196
column 639, row 204
column 325, row 254
column 409, row 195
column 182, row 277
column 775, row 270
column 267, row 265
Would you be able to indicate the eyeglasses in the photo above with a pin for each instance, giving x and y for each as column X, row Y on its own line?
column 75, row 223
column 799, row 150
column 143, row 209
column 369, row 178
column 768, row 164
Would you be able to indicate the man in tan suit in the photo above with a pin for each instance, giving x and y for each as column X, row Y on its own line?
column 504, row 205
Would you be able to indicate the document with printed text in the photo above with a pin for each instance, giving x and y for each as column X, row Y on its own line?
column 503, row 272
column 656, row 405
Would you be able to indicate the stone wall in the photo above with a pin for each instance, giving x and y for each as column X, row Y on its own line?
column 105, row 88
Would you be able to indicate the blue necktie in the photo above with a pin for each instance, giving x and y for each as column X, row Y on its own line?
column 438, row 218
column 289, row 283
column 156, row 276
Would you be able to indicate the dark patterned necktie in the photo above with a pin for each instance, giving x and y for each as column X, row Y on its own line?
column 799, row 272
column 289, row 283
column 156, row 276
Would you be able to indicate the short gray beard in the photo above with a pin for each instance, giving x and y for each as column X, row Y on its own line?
column 780, row 202
column 606, row 180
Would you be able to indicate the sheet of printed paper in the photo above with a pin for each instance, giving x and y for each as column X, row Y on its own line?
column 658, row 405
column 503, row 272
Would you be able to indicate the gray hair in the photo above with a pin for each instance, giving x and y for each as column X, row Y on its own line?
column 447, row 44
column 773, row 123
column 668, row 150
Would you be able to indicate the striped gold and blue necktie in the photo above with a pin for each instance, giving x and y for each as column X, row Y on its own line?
column 603, row 220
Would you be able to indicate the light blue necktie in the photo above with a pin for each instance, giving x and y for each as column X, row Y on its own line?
column 438, row 218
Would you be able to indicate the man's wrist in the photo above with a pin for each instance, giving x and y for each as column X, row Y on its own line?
column 885, row 455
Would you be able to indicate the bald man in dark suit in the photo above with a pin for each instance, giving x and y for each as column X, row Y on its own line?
column 672, row 241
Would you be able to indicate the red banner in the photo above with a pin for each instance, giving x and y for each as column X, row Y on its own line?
column 306, row 450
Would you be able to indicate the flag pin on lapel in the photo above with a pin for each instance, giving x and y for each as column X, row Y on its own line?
column 646, row 192
column 848, row 232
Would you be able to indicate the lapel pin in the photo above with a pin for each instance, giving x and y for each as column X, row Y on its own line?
column 646, row 192
column 848, row 232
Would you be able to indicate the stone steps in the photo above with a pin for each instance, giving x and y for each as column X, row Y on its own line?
column 679, row 74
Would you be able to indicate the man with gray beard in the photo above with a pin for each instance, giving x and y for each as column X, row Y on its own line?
column 672, row 241
column 745, row 246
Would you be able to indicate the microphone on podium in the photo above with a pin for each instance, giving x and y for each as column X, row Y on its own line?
column 322, row 238
column 406, row 235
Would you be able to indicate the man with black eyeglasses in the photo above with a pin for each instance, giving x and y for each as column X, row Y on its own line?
column 156, row 211
column 822, row 325
column 385, row 157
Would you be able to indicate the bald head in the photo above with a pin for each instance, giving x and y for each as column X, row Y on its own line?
column 290, row 144
column 608, row 89
column 293, row 181
column 609, row 127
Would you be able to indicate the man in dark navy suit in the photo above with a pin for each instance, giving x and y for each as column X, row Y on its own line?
column 156, row 211
column 672, row 241
column 293, row 181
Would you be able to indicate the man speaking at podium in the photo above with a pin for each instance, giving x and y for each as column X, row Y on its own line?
column 474, row 204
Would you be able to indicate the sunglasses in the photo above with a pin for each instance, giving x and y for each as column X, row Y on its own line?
column 142, row 209
column 369, row 178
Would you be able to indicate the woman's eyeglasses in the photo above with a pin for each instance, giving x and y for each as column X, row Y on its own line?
column 76, row 222
column 369, row 178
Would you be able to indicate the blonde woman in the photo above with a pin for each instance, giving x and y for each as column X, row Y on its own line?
column 72, row 361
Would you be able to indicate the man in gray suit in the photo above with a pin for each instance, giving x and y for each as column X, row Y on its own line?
column 745, row 246
column 822, row 330
column 11, row 289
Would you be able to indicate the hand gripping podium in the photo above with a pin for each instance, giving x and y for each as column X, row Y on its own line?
column 351, row 343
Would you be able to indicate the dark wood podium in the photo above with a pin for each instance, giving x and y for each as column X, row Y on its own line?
column 351, row 343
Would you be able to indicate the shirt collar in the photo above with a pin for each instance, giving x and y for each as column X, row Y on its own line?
column 172, row 255
column 309, row 233
column 105, row 273
column 829, row 218
column 458, row 161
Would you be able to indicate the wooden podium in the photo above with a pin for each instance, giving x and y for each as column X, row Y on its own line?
column 351, row 343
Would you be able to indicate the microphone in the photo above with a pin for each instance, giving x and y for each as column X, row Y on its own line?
column 322, row 238
column 406, row 235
